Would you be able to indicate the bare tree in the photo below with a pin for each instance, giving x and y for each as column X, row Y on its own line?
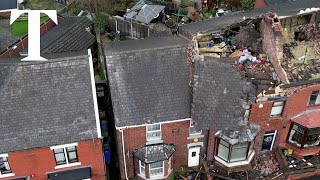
column 98, row 6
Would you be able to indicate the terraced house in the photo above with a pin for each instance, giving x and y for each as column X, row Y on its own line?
column 49, row 119
column 177, row 102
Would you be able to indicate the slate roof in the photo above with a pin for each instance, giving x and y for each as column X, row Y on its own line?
column 220, row 95
column 8, row 4
column 46, row 103
column 6, row 39
column 154, row 153
column 290, row 8
column 69, row 35
column 308, row 119
column 148, row 80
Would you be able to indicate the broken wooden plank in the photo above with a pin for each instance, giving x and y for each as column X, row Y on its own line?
column 183, row 177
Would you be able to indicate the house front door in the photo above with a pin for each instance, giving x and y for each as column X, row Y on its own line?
column 268, row 140
column 194, row 156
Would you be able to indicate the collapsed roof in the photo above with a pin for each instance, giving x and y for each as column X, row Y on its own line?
column 290, row 8
column 220, row 94
column 143, row 12
column 46, row 103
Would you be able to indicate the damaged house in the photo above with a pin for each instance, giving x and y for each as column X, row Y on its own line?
column 219, row 94
column 151, row 97
column 178, row 101
column 277, row 52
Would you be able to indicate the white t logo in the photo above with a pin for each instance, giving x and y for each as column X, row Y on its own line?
column 34, row 30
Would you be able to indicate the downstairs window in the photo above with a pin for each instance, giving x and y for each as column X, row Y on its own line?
column 234, row 153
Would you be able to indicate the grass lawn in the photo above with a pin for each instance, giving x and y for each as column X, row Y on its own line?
column 20, row 27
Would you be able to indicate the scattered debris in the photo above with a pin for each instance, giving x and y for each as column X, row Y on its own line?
column 249, row 37
column 266, row 164
column 311, row 32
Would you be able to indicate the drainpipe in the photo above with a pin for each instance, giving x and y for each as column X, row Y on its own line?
column 124, row 155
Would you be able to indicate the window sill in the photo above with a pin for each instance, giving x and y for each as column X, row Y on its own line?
column 275, row 117
column 153, row 177
column 158, row 141
column 67, row 165
column 192, row 136
column 7, row 175
column 157, row 177
column 314, row 105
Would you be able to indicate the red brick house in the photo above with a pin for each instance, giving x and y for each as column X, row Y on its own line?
column 49, row 119
column 151, row 103
column 290, row 122
column 161, row 126
column 158, row 130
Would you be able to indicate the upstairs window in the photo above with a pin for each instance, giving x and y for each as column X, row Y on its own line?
column 193, row 130
column 65, row 154
column 314, row 98
column 4, row 165
column 153, row 132
column 277, row 109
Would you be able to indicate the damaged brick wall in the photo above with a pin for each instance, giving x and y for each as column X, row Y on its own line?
column 272, row 43
column 193, row 52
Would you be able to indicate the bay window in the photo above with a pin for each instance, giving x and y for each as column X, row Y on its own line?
column 234, row 153
column 4, row 165
column 142, row 168
column 156, row 169
column 304, row 137
column 239, row 152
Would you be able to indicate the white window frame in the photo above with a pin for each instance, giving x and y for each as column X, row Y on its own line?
column 317, row 101
column 191, row 126
column 156, row 168
column 153, row 139
column 276, row 105
column 8, row 174
column 274, row 133
column 144, row 167
column 64, row 146
column 169, row 165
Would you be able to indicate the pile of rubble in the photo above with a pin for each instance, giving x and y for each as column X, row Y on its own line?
column 266, row 164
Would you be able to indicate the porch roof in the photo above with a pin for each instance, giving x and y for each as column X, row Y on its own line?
column 308, row 119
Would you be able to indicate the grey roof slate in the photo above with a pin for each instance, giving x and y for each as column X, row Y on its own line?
column 46, row 103
column 6, row 39
column 219, row 94
column 8, row 4
column 148, row 80
column 154, row 153
column 69, row 35
column 290, row 8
